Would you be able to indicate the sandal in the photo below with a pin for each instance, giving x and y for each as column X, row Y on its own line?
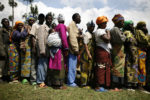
column 101, row 89
column 24, row 81
column 116, row 89
column 42, row 85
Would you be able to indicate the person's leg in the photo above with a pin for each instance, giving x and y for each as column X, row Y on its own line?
column 33, row 70
column 42, row 70
column 2, row 64
column 108, row 80
column 72, row 62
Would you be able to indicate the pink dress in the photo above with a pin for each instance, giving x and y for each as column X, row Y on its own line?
column 55, row 63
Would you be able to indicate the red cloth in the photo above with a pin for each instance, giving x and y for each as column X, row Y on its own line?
column 102, row 74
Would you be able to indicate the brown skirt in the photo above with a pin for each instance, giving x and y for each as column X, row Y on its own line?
column 102, row 69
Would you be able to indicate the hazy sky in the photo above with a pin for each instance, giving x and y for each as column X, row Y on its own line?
column 135, row 10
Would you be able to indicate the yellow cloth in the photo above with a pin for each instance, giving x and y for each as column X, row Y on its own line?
column 101, row 19
column 16, row 24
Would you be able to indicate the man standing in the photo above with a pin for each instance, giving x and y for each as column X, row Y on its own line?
column 5, row 32
column 43, row 57
column 73, row 49
column 34, row 49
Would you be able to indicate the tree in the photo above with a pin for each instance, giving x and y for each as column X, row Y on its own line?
column 28, row 1
column 13, row 4
column 34, row 11
column 1, row 7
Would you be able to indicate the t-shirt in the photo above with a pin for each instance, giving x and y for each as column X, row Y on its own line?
column 100, row 42
column 34, row 29
column 86, row 37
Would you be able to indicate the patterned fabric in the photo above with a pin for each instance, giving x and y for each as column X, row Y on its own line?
column 142, row 67
column 148, row 67
column 117, row 18
column 13, row 61
column 26, row 59
column 131, row 63
column 118, row 60
column 103, row 64
column 101, row 19
column 86, row 64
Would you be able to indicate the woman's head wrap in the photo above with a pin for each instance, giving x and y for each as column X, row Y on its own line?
column 117, row 18
column 16, row 24
column 90, row 24
column 101, row 19
column 30, row 18
column 140, row 24
column 128, row 22
column 60, row 17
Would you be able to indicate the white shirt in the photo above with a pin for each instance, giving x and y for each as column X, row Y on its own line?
column 100, row 42
column 34, row 29
column 86, row 37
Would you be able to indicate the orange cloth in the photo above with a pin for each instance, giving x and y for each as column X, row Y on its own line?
column 117, row 18
column 16, row 24
column 101, row 19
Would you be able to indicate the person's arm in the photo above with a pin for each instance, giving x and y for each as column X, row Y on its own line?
column 86, row 41
column 2, row 50
column 142, row 38
column 106, row 37
column 62, row 32
column 88, row 52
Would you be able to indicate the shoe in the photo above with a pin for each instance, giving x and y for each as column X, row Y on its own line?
column 73, row 85
column 101, row 89
column 24, row 81
column 33, row 83
column 14, row 81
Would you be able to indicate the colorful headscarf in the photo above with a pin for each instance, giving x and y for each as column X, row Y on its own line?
column 101, row 19
column 30, row 18
column 128, row 22
column 16, row 24
column 117, row 18
column 90, row 24
column 140, row 24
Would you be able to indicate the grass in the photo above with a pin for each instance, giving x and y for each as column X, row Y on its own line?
column 17, row 91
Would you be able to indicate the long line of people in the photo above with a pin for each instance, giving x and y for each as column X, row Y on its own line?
column 44, row 55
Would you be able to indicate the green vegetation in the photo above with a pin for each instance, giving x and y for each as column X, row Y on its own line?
column 17, row 91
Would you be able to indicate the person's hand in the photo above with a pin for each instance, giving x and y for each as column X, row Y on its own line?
column 78, row 57
column 80, row 31
column 43, row 54
column 66, row 53
column 76, row 53
column 90, row 57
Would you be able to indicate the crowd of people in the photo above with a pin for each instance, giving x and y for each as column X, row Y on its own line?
column 42, row 53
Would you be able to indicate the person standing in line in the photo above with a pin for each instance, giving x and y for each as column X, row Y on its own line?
column 103, row 58
column 118, row 55
column 19, row 34
column 5, row 33
column 25, row 45
column 74, row 33
column 58, row 54
column 42, row 36
column 143, row 44
column 131, row 61
column 86, row 58
column 34, row 47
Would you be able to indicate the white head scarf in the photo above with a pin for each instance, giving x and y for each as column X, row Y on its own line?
column 60, row 17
